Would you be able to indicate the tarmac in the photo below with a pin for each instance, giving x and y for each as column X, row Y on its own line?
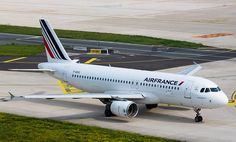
column 145, row 57
column 211, row 22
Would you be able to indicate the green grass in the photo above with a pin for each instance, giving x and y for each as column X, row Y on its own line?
column 15, row 128
column 102, row 37
column 20, row 50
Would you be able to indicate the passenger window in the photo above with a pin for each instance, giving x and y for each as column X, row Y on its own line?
column 219, row 88
column 202, row 90
column 207, row 90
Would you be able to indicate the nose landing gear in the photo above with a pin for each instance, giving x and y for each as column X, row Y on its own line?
column 198, row 117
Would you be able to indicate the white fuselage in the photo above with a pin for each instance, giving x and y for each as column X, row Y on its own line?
column 156, row 87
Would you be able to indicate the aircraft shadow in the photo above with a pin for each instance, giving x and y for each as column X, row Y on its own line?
column 159, row 116
column 68, row 104
column 96, row 112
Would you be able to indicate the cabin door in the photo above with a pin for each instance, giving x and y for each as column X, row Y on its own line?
column 187, row 90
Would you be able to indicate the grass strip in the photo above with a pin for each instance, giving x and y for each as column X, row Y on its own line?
column 102, row 37
column 20, row 50
column 15, row 128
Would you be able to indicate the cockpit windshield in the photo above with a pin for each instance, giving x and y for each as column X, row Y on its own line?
column 206, row 90
column 214, row 89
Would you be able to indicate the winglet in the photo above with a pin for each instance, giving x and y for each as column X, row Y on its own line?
column 191, row 70
column 11, row 96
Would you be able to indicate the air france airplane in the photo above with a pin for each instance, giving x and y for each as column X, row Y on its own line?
column 121, row 89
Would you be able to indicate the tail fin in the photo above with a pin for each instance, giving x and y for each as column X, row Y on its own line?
column 54, row 49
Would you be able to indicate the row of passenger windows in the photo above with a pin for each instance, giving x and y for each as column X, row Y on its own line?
column 103, row 79
column 161, row 86
column 124, row 81
column 206, row 90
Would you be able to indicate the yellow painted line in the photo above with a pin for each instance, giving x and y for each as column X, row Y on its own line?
column 16, row 59
column 232, row 103
column 233, row 97
column 21, row 62
column 67, row 89
column 90, row 61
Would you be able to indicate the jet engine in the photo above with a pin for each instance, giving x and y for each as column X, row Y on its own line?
column 124, row 108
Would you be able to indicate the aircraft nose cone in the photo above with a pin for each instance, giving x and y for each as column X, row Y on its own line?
column 223, row 100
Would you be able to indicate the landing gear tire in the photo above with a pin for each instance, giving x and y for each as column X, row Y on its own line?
column 198, row 117
column 107, row 111
column 151, row 106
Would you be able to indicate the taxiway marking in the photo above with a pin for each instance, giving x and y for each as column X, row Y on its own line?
column 15, row 59
column 90, row 60
column 232, row 102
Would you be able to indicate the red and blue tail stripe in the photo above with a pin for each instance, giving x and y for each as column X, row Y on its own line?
column 52, row 43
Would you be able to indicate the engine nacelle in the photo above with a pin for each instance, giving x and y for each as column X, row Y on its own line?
column 124, row 108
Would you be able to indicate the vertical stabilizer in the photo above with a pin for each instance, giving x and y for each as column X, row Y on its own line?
column 54, row 49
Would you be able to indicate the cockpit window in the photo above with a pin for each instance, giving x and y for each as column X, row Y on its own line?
column 214, row 89
column 202, row 90
column 207, row 90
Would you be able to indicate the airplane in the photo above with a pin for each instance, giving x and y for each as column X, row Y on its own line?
column 122, row 89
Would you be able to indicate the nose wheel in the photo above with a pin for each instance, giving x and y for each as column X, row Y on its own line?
column 198, row 117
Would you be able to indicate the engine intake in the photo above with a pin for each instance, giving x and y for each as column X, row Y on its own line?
column 124, row 108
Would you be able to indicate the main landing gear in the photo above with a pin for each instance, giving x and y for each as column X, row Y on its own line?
column 198, row 117
column 107, row 111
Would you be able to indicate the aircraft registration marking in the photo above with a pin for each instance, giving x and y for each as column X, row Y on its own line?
column 68, row 89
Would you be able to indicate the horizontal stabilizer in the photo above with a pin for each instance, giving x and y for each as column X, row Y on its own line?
column 33, row 70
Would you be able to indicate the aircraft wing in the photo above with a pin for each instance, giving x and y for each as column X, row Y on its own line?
column 191, row 70
column 79, row 96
